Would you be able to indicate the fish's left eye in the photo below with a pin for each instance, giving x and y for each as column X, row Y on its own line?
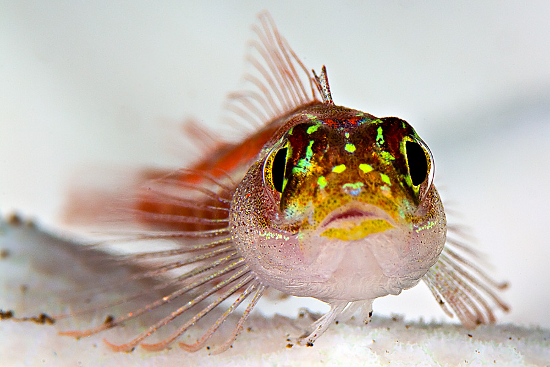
column 420, row 164
column 275, row 170
column 417, row 162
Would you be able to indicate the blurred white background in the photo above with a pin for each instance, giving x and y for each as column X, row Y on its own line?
column 106, row 84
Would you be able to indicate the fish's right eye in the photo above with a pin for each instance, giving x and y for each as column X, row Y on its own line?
column 278, row 169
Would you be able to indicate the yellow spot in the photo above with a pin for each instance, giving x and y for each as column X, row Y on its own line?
column 339, row 169
column 365, row 167
column 385, row 178
column 350, row 148
column 362, row 230
column 322, row 182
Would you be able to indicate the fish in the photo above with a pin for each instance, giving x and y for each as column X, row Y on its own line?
column 316, row 200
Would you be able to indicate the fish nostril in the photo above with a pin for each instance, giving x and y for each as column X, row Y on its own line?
column 353, row 189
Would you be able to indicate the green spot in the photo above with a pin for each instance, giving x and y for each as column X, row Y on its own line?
column 365, row 167
column 303, row 166
column 425, row 227
column 311, row 117
column 385, row 178
column 347, row 135
column 350, row 147
column 312, row 129
column 322, row 182
column 380, row 136
column 309, row 151
column 387, row 156
column 339, row 169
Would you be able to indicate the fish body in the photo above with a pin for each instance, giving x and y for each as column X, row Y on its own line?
column 319, row 200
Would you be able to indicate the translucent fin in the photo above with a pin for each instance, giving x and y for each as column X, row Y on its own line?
column 210, row 276
column 278, row 82
column 202, row 341
column 339, row 311
column 149, row 197
column 320, row 326
column 462, row 288
column 363, row 309
column 137, row 340
column 209, row 272
column 203, row 138
column 323, row 86
column 225, row 346
column 198, row 316
column 156, row 272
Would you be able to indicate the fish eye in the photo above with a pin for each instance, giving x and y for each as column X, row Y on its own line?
column 278, row 169
column 417, row 162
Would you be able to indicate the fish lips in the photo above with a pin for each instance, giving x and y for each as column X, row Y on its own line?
column 354, row 221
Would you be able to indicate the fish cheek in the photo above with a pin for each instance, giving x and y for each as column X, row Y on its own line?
column 271, row 253
column 425, row 239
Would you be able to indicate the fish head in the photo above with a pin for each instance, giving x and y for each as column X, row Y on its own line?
column 353, row 198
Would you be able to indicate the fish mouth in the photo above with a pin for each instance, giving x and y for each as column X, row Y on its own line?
column 355, row 221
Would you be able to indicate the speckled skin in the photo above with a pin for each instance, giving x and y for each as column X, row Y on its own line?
column 282, row 236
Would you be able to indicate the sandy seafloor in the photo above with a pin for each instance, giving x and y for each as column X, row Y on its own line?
column 85, row 86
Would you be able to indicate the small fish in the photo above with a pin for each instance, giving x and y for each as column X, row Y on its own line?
column 320, row 200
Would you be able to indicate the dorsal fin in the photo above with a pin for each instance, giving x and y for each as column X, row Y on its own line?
column 278, row 82
column 321, row 82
